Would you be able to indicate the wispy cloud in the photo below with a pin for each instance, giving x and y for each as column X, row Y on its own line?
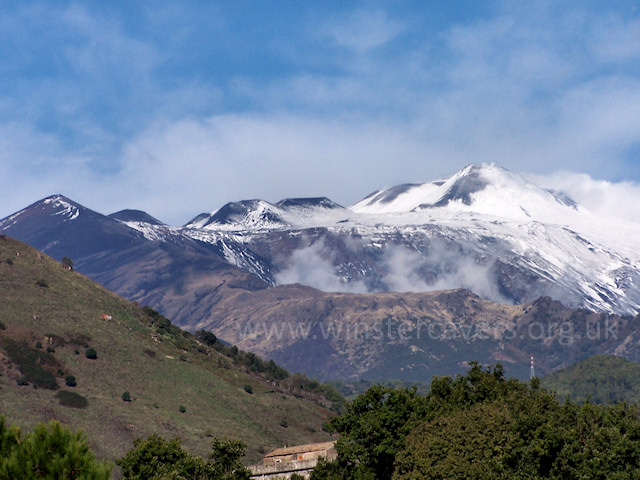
column 608, row 199
column 178, row 111
column 362, row 30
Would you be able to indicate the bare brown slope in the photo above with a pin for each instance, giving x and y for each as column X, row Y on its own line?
column 413, row 336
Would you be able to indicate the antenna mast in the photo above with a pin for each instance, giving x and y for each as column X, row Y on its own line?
column 533, row 370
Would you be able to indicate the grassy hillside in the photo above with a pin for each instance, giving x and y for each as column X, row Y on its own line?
column 601, row 378
column 50, row 317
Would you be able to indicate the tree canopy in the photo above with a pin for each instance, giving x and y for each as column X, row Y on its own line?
column 50, row 451
column 482, row 426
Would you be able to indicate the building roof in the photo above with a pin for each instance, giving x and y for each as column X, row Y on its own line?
column 310, row 447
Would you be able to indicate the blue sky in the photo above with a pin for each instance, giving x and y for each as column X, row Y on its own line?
column 179, row 107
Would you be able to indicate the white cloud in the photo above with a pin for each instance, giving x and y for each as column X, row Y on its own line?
column 531, row 88
column 313, row 266
column 608, row 199
column 405, row 271
column 408, row 271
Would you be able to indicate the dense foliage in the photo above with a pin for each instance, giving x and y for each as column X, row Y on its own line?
column 158, row 459
column 50, row 451
column 482, row 426
column 600, row 379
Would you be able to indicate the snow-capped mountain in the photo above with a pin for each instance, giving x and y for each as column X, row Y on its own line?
column 262, row 215
column 484, row 228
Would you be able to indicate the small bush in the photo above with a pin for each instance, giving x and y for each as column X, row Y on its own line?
column 39, row 345
column 126, row 397
column 22, row 381
column 71, row 399
column 51, row 350
column 41, row 283
column 67, row 262
column 76, row 351
column 248, row 389
column 182, row 409
column 149, row 353
column 91, row 353
column 8, row 261
column 70, row 381
column 2, row 326
column 284, row 423
column 206, row 337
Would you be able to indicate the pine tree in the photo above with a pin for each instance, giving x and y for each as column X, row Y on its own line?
column 50, row 451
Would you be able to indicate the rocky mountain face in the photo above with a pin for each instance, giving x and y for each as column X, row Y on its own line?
column 413, row 336
column 253, row 264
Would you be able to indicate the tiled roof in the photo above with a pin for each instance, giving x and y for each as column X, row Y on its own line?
column 311, row 447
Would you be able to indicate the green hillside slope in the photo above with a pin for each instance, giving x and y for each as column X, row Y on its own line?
column 50, row 318
column 601, row 378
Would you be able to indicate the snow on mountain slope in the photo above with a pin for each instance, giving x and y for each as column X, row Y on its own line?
column 54, row 205
column 485, row 190
column 262, row 215
column 484, row 228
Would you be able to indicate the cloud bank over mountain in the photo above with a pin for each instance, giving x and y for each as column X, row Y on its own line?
column 173, row 108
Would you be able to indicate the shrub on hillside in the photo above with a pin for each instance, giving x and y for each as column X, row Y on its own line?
column 71, row 399
column 91, row 353
column 126, row 397
column 149, row 353
column 206, row 337
column 32, row 363
column 70, row 381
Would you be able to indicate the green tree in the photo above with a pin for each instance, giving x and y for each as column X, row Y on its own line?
column 158, row 459
column 67, row 262
column 9, row 438
column 373, row 429
column 51, row 451
column 226, row 456
column 206, row 337
column 91, row 353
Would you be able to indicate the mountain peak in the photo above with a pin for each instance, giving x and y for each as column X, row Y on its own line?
column 314, row 202
column 53, row 205
column 484, row 189
column 243, row 214
column 135, row 216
